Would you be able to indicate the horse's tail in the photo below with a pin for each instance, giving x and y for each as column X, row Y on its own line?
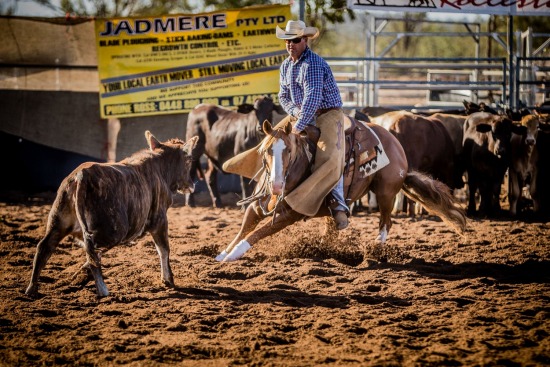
column 436, row 197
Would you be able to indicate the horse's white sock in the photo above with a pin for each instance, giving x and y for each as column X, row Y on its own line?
column 382, row 236
column 221, row 256
column 238, row 251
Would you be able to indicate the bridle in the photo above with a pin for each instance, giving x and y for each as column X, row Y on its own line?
column 264, row 191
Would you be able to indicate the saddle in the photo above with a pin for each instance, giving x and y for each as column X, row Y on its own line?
column 361, row 152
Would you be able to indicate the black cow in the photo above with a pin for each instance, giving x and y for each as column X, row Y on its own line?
column 486, row 152
column 224, row 133
column 106, row 204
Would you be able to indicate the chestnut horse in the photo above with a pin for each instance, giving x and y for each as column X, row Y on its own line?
column 287, row 162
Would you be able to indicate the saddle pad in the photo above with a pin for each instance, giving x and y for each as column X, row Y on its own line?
column 376, row 161
column 367, row 156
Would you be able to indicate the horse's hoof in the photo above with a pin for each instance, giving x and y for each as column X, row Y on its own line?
column 238, row 251
column 341, row 219
column 32, row 292
column 221, row 256
column 169, row 283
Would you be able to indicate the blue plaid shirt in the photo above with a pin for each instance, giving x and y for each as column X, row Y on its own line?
column 307, row 86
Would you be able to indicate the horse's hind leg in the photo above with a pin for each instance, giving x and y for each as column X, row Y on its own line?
column 398, row 203
column 385, row 204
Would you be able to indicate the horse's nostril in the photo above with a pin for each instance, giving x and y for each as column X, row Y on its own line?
column 276, row 188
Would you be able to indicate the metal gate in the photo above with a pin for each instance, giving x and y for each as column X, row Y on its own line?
column 522, row 80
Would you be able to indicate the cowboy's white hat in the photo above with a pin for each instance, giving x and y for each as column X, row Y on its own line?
column 295, row 29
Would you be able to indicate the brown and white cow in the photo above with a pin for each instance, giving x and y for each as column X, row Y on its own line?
column 523, row 168
column 106, row 204
column 224, row 133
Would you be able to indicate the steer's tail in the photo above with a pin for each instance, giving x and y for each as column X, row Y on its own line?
column 82, row 183
column 436, row 197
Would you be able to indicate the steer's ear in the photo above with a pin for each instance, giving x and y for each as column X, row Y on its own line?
column 266, row 126
column 190, row 144
column 151, row 140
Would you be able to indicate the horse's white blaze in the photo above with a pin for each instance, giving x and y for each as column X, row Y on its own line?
column 277, row 179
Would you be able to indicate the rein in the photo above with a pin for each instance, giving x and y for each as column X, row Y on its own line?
column 262, row 192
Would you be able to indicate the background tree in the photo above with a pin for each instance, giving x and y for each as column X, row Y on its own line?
column 9, row 7
column 123, row 8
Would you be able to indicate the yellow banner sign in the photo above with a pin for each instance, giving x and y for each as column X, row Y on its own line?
column 170, row 64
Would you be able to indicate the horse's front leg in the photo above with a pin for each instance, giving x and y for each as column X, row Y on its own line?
column 252, row 216
column 281, row 221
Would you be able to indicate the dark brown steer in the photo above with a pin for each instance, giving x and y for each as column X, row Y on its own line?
column 106, row 204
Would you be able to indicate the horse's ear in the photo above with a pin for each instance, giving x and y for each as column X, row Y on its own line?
column 288, row 128
column 266, row 126
column 190, row 144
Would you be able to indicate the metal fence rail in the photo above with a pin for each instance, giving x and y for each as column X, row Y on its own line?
column 363, row 81
column 532, row 78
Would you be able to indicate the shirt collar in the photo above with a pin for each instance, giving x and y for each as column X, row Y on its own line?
column 304, row 55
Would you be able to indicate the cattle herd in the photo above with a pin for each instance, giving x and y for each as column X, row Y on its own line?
column 489, row 153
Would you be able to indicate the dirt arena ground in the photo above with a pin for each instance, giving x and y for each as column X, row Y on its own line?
column 439, row 300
